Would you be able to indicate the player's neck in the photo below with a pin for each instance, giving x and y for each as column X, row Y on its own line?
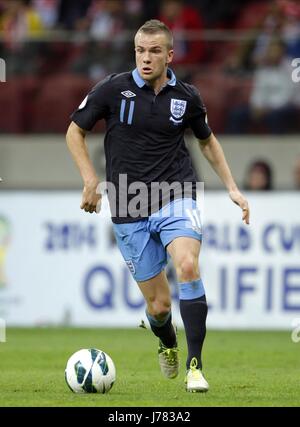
column 159, row 83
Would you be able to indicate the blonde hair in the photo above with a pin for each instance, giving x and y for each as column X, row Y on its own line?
column 155, row 26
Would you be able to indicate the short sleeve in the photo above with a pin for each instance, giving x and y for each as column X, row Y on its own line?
column 95, row 105
column 197, row 119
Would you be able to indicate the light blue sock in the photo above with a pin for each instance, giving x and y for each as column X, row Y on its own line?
column 191, row 290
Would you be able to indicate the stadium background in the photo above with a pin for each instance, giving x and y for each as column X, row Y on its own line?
column 60, row 267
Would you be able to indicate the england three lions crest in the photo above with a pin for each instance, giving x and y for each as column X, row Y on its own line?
column 178, row 107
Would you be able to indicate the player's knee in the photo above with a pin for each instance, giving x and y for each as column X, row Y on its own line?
column 187, row 269
column 159, row 309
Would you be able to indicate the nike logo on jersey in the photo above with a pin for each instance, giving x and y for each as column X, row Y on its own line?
column 128, row 94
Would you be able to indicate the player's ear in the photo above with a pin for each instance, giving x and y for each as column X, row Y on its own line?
column 170, row 56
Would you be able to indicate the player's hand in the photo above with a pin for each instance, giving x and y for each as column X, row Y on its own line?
column 238, row 198
column 91, row 200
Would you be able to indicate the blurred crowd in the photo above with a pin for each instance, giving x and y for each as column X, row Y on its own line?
column 98, row 28
column 231, row 50
column 259, row 175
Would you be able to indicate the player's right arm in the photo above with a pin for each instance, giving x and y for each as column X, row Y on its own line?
column 77, row 145
column 94, row 107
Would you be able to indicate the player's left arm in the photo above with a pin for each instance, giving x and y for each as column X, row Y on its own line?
column 214, row 153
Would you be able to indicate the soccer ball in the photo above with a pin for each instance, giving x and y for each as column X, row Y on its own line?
column 90, row 371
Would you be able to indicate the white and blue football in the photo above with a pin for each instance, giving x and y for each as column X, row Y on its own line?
column 90, row 371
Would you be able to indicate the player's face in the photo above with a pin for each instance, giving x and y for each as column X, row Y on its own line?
column 152, row 55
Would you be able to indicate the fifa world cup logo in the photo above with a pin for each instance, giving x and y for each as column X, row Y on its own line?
column 4, row 243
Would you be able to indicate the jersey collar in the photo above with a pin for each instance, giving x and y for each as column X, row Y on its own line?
column 141, row 82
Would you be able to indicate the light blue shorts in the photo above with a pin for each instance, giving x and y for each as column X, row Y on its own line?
column 143, row 243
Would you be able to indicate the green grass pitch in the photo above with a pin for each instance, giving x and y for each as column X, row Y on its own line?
column 243, row 369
